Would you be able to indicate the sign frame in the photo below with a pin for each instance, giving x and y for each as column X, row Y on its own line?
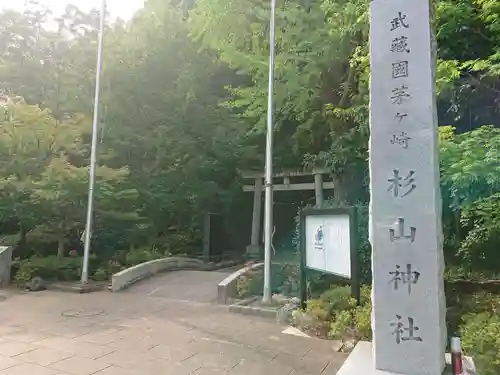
column 354, row 280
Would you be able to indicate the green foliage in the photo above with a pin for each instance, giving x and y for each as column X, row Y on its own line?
column 453, row 273
column 184, row 158
column 347, row 319
column 168, row 151
column 469, row 165
column 49, row 268
column 249, row 284
column 137, row 256
column 320, row 89
column 480, row 247
column 181, row 242
column 481, row 340
column 470, row 180
column 284, row 280
column 44, row 181
column 474, row 317
column 54, row 268
column 29, row 140
column 469, row 46
column 101, row 274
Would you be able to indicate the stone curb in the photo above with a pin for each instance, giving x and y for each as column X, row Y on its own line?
column 226, row 289
column 242, row 307
column 131, row 275
column 76, row 288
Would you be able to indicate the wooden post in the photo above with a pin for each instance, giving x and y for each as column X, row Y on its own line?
column 257, row 204
column 318, row 188
column 206, row 238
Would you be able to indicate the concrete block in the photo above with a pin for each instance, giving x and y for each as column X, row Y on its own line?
column 5, row 265
column 226, row 289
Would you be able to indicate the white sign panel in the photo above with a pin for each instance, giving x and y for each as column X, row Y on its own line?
column 328, row 244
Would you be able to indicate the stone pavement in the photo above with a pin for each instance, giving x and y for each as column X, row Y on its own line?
column 199, row 286
column 53, row 333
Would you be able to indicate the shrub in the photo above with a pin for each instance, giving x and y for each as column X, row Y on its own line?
column 53, row 268
column 481, row 340
column 101, row 274
column 249, row 284
column 461, row 305
column 182, row 241
column 141, row 255
column 347, row 320
column 49, row 268
column 284, row 280
column 338, row 298
column 480, row 246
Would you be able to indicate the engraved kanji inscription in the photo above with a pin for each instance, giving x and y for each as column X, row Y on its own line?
column 400, row 116
column 400, row 69
column 403, row 333
column 399, row 22
column 400, row 94
column 408, row 277
column 400, row 44
column 401, row 186
column 399, row 232
column 401, row 139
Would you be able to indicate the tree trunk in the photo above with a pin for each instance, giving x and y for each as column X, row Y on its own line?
column 339, row 189
column 23, row 232
column 60, row 247
column 458, row 227
column 349, row 186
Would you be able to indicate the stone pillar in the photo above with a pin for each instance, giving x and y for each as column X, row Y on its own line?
column 254, row 248
column 405, row 222
column 318, row 189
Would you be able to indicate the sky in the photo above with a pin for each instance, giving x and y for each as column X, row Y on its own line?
column 117, row 8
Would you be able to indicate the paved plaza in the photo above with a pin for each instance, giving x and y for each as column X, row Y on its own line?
column 151, row 329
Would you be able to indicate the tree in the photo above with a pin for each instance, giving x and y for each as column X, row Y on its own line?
column 44, row 176
column 60, row 199
column 160, row 118
column 50, row 68
column 470, row 182
column 469, row 165
column 163, row 120
column 321, row 88
column 29, row 139
column 469, row 46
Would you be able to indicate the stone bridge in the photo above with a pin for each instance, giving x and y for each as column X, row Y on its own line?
column 193, row 286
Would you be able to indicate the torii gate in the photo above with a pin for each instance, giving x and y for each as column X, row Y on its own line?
column 284, row 185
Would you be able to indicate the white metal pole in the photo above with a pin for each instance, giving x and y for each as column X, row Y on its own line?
column 268, row 208
column 93, row 150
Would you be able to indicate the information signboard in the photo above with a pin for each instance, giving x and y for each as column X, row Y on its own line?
column 328, row 244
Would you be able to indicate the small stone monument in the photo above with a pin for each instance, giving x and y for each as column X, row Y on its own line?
column 408, row 317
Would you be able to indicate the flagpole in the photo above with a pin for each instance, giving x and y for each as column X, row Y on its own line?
column 268, row 204
column 93, row 150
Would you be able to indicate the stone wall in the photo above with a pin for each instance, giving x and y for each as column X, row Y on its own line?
column 5, row 264
column 129, row 276
column 226, row 289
